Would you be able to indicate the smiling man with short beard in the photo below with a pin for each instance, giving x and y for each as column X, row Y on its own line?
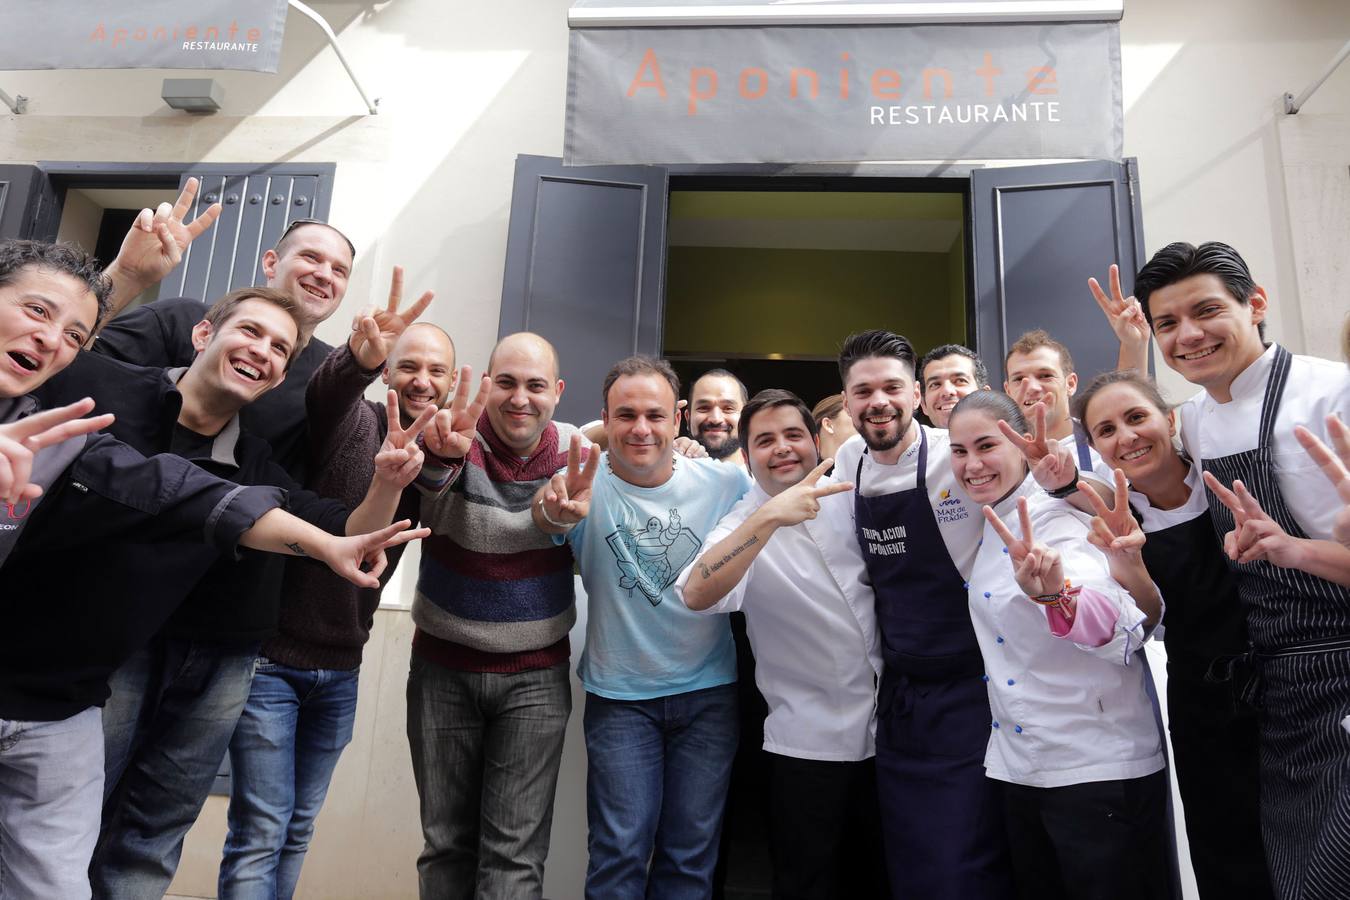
column 918, row 531
column 715, row 403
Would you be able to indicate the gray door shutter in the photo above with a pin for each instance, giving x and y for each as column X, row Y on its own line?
column 258, row 204
column 585, row 259
column 29, row 206
column 1039, row 233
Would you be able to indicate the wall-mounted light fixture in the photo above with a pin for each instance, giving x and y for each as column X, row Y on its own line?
column 194, row 95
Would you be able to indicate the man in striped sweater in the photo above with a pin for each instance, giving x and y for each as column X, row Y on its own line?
column 488, row 691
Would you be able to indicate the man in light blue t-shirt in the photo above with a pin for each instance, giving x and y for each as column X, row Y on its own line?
column 660, row 720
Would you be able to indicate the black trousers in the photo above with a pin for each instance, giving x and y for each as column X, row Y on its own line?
column 1102, row 840
column 825, row 830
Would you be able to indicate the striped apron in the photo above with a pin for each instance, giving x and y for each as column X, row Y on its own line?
column 1299, row 626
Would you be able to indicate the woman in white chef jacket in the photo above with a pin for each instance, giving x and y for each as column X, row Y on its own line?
column 1073, row 735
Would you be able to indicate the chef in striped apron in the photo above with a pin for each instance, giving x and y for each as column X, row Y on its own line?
column 1207, row 314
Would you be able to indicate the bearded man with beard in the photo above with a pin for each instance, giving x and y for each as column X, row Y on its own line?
column 715, row 403
column 918, row 531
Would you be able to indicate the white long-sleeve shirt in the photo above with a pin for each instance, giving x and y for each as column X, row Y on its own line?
column 1063, row 713
column 811, row 618
column 1316, row 388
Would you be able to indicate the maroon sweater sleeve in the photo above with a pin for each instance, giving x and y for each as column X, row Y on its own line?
column 325, row 621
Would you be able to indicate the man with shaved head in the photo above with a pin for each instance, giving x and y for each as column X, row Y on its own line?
column 488, row 691
column 302, row 703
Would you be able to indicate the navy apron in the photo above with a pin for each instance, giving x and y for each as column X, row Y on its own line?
column 942, row 819
column 1214, row 739
column 1299, row 626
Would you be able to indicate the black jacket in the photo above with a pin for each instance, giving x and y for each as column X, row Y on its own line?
column 108, row 551
column 159, row 335
column 234, row 600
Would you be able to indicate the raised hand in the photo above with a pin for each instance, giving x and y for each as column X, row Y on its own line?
column 158, row 239
column 690, row 448
column 360, row 558
column 20, row 442
column 1255, row 534
column 1335, row 466
column 1037, row 568
column 568, row 498
column 452, row 431
column 374, row 331
column 1114, row 531
column 1124, row 313
column 399, row 458
column 802, row 501
column 1052, row 464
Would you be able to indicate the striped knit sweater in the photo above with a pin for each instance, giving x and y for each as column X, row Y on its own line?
column 490, row 581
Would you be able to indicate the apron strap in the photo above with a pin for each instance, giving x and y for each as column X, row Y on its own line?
column 1270, row 405
column 1080, row 442
column 922, row 473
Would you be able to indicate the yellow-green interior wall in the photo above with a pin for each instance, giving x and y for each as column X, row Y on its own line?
column 804, row 302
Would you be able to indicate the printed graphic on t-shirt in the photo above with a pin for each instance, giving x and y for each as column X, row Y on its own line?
column 651, row 555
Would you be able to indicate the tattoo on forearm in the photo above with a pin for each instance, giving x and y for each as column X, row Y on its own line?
column 707, row 571
column 297, row 549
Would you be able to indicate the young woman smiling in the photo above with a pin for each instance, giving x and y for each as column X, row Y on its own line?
column 1060, row 603
column 1214, row 738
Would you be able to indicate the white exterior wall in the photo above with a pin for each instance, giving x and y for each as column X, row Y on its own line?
column 426, row 184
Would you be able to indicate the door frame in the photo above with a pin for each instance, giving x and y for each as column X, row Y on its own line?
column 878, row 178
column 63, row 175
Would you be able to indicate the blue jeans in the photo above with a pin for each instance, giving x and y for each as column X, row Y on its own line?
column 51, row 787
column 656, row 787
column 166, row 727
column 294, row 727
column 485, row 752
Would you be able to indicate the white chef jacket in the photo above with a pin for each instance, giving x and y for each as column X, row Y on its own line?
column 1316, row 388
column 811, row 618
column 1063, row 713
column 958, row 517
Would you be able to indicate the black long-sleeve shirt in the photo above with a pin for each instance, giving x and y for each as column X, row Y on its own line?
column 159, row 335
column 109, row 550
column 233, row 600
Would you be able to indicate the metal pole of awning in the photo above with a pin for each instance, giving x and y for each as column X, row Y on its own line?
column 1293, row 104
column 17, row 105
column 332, row 39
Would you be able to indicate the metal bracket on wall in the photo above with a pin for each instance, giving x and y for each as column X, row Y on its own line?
column 1293, row 104
column 332, row 39
column 17, row 105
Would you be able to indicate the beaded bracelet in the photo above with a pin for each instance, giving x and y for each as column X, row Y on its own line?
column 1065, row 593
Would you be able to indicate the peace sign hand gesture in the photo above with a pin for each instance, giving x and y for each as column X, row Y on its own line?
column 399, row 458
column 1124, row 313
column 1115, row 531
column 360, row 558
column 1255, row 535
column 158, row 239
column 21, row 441
column 1336, row 469
column 567, row 499
column 802, row 501
column 1038, row 569
column 1052, row 465
column 452, row 431
column 374, row 331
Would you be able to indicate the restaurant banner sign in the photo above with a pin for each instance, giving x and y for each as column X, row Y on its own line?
column 850, row 93
column 142, row 34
